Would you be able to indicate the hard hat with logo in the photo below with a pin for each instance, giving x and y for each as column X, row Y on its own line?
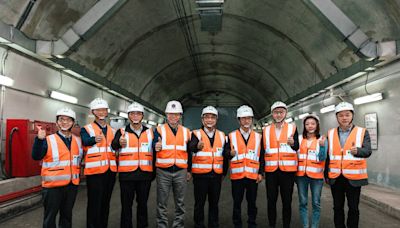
column 278, row 104
column 344, row 106
column 209, row 110
column 174, row 107
column 98, row 103
column 244, row 111
column 135, row 107
column 311, row 116
column 66, row 112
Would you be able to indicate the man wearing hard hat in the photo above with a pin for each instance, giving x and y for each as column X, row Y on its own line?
column 61, row 155
column 280, row 142
column 208, row 167
column 246, row 171
column 171, row 145
column 100, row 164
column 346, row 172
column 135, row 166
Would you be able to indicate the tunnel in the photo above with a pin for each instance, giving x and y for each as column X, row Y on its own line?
column 309, row 54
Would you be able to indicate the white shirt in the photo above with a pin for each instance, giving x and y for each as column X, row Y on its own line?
column 278, row 131
column 210, row 134
column 245, row 134
column 137, row 132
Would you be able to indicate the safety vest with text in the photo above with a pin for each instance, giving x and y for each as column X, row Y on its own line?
column 174, row 147
column 137, row 153
column 60, row 165
column 341, row 159
column 278, row 153
column 210, row 157
column 309, row 163
column 246, row 162
column 99, row 157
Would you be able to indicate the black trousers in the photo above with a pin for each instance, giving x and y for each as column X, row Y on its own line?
column 203, row 187
column 238, row 189
column 99, row 190
column 128, row 190
column 341, row 189
column 59, row 199
column 283, row 182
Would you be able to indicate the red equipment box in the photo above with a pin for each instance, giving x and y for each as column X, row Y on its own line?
column 20, row 136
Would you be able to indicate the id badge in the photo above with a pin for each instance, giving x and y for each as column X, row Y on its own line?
column 76, row 159
column 144, row 147
column 219, row 151
column 252, row 154
column 312, row 152
column 283, row 146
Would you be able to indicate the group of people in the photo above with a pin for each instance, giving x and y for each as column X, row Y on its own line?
column 173, row 155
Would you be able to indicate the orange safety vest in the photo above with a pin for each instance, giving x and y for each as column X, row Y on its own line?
column 99, row 157
column 137, row 153
column 174, row 147
column 209, row 158
column 277, row 152
column 341, row 160
column 246, row 163
column 308, row 159
column 61, row 166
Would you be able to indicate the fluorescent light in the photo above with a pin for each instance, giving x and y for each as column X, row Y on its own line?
column 6, row 81
column 152, row 123
column 326, row 109
column 301, row 116
column 63, row 97
column 289, row 120
column 123, row 114
column 369, row 98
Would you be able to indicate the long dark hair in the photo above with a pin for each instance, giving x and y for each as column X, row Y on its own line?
column 317, row 134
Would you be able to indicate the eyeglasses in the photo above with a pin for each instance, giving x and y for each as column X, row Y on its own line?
column 278, row 112
column 65, row 120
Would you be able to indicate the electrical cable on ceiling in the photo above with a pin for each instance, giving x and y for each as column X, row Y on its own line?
column 365, row 85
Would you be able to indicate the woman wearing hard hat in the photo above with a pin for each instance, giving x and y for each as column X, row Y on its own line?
column 310, row 172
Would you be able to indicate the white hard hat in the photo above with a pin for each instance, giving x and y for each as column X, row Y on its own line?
column 344, row 106
column 98, row 103
column 174, row 107
column 311, row 116
column 210, row 110
column 244, row 111
column 278, row 104
column 135, row 107
column 66, row 112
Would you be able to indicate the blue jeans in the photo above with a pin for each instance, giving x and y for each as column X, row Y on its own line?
column 316, row 188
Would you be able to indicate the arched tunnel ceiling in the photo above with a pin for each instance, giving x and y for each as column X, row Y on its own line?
column 266, row 50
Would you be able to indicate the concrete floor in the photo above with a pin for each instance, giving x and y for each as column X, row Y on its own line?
column 370, row 217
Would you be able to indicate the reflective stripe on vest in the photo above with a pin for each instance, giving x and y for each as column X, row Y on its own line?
column 308, row 159
column 245, row 164
column 278, row 154
column 176, row 151
column 99, row 157
column 341, row 159
column 137, row 153
column 209, row 158
column 60, row 166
